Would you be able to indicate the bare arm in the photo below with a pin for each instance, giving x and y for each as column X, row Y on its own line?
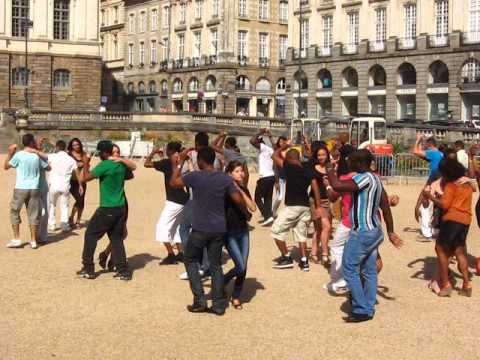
column 255, row 139
column 277, row 156
column 86, row 175
column 388, row 218
column 178, row 160
column 218, row 142
column 11, row 151
column 340, row 185
column 149, row 159
column 239, row 200
column 418, row 148
column 251, row 206
column 472, row 164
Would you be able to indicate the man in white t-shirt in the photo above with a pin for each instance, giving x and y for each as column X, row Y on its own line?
column 462, row 155
column 62, row 166
column 266, row 176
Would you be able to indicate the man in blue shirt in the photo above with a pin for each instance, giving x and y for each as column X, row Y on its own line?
column 27, row 188
column 430, row 153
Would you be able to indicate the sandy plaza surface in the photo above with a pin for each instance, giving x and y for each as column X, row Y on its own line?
column 47, row 312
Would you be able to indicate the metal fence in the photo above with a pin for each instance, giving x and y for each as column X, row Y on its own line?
column 402, row 166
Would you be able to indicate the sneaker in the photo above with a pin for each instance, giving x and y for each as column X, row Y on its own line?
column 86, row 274
column 267, row 222
column 33, row 244
column 184, row 275
column 285, row 262
column 124, row 275
column 65, row 227
column 171, row 259
column 15, row 243
column 336, row 288
column 303, row 265
column 52, row 228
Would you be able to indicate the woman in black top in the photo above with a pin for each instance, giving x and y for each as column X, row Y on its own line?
column 323, row 225
column 238, row 237
column 75, row 150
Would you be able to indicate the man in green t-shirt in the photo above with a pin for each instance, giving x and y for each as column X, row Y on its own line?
column 110, row 218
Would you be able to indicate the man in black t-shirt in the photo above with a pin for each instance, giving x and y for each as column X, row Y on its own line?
column 296, row 214
column 167, row 230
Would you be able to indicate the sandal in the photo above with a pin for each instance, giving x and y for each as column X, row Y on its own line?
column 445, row 292
column 467, row 292
column 236, row 306
column 315, row 259
column 326, row 261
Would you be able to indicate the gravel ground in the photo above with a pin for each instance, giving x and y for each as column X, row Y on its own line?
column 46, row 312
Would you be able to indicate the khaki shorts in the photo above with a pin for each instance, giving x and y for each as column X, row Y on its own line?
column 292, row 217
column 31, row 199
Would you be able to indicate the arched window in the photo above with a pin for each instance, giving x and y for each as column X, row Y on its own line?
column 177, row 85
column 61, row 79
column 301, row 81
column 152, row 87
column 130, row 88
column 350, row 77
column 164, row 87
column 471, row 71
column 20, row 76
column 141, row 88
column 324, row 79
column 193, row 85
column 210, row 83
column 407, row 74
column 263, row 85
column 242, row 83
column 281, row 85
column 377, row 76
column 438, row 73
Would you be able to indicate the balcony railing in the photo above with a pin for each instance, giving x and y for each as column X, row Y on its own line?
column 194, row 62
column 377, row 46
column 164, row 65
column 406, row 43
column 437, row 41
column 299, row 52
column 178, row 64
column 242, row 60
column 471, row 37
column 281, row 62
column 324, row 51
column 263, row 61
column 212, row 59
column 349, row 49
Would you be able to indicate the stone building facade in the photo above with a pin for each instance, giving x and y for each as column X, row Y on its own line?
column 63, row 59
column 213, row 56
column 400, row 59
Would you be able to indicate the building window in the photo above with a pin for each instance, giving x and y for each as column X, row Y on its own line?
column 20, row 76
column 177, row 85
column 380, row 25
column 283, row 47
column 214, row 42
column 115, row 14
column 327, row 31
column 141, row 88
column 141, row 57
column 142, row 25
column 183, row 13
column 410, row 21
column 305, row 36
column 166, row 17
column 165, row 47
column 115, row 47
column 152, row 87
column 474, row 20
column 242, row 44
column 154, row 19
column 197, row 44
column 283, row 12
column 20, row 12
column 263, row 46
column 130, row 88
column 242, row 8
column 263, row 6
column 130, row 54
column 153, row 51
column 198, row 9
column 103, row 48
column 216, row 7
column 102, row 14
column 353, row 28
column 61, row 19
column 193, row 85
column 471, row 71
column 181, row 46
column 61, row 79
column 131, row 23
column 441, row 17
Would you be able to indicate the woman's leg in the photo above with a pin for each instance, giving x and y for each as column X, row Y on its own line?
column 443, row 258
column 244, row 246
column 325, row 234
column 462, row 263
column 236, row 247
column 316, row 239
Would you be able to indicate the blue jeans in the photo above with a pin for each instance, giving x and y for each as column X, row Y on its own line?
column 185, row 229
column 359, row 262
column 238, row 246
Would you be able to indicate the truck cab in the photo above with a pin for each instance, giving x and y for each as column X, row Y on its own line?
column 370, row 132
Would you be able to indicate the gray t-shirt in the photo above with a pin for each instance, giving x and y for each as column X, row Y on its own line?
column 210, row 189
column 231, row 155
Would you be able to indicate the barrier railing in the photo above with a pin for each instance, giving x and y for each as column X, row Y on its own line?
column 402, row 166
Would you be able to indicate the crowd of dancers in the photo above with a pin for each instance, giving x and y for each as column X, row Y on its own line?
column 330, row 189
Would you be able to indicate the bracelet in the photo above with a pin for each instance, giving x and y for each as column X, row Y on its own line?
column 329, row 188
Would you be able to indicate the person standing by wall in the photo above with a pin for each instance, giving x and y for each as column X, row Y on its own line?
column 75, row 150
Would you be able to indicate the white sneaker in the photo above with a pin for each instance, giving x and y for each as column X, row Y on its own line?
column 65, row 227
column 33, row 244
column 14, row 243
column 267, row 222
column 52, row 228
column 338, row 288
column 184, row 276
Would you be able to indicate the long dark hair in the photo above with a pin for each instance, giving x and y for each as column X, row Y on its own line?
column 232, row 165
column 315, row 155
column 70, row 145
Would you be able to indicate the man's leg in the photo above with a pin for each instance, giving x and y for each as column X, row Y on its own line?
column 116, row 236
column 98, row 226
column 192, row 257
column 34, row 206
column 215, row 246
column 18, row 199
column 268, row 196
column 64, row 195
column 43, row 226
column 370, row 280
column 52, row 202
column 259, row 197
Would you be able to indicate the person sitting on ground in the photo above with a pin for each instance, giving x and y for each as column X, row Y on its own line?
column 456, row 203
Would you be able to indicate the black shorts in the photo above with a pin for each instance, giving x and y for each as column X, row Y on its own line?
column 452, row 235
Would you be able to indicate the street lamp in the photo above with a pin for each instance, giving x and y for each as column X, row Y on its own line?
column 27, row 24
column 299, row 80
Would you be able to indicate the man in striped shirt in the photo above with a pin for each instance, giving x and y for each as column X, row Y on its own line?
column 366, row 235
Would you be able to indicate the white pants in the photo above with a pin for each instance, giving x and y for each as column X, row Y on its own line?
column 168, row 224
column 53, row 195
column 279, row 196
column 43, row 226
column 337, row 244
column 426, row 220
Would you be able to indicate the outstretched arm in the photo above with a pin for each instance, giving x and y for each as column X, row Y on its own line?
column 219, row 142
column 388, row 218
column 340, row 185
column 12, row 149
column 418, row 147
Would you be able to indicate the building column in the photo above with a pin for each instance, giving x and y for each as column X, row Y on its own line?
column 252, row 111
